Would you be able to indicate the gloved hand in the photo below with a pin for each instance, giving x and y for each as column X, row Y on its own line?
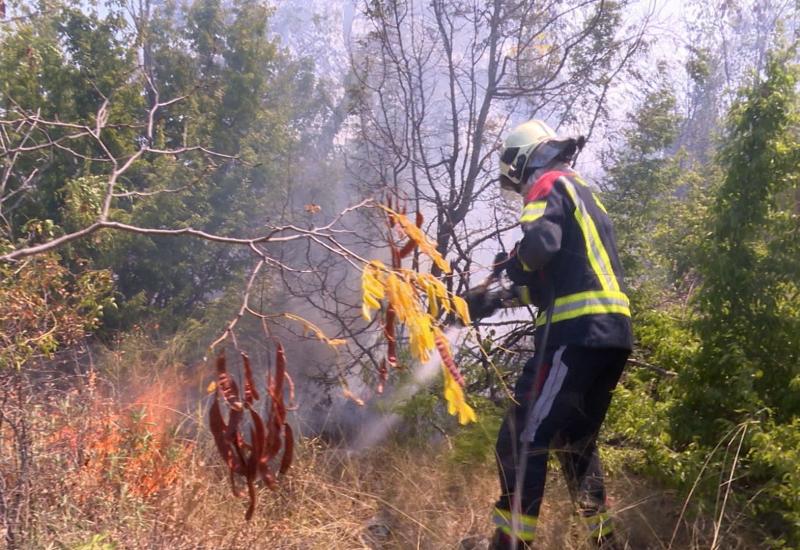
column 499, row 264
column 481, row 302
column 515, row 271
column 530, row 287
column 530, row 295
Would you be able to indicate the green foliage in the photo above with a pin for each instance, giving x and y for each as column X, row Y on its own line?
column 422, row 416
column 242, row 97
column 666, row 338
column 224, row 55
column 749, row 303
column 44, row 307
column 64, row 62
column 714, row 259
column 698, row 67
column 774, row 468
column 592, row 54
column 425, row 418
column 83, row 199
column 638, row 419
column 749, row 300
column 474, row 443
column 643, row 183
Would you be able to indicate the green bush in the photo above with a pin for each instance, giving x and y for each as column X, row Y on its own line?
column 732, row 412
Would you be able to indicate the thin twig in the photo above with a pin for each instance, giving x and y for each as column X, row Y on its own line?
column 718, row 522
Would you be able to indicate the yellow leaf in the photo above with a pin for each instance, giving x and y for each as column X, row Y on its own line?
column 415, row 234
column 370, row 300
column 350, row 395
column 456, row 404
column 461, row 308
column 420, row 336
column 308, row 326
column 433, row 304
column 372, row 289
column 435, row 290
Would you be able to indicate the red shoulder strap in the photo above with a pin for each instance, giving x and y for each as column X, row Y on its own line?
column 544, row 185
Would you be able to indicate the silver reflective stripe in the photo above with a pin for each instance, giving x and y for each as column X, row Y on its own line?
column 587, row 302
column 593, row 302
column 555, row 379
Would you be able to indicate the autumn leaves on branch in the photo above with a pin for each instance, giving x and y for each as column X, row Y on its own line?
column 405, row 293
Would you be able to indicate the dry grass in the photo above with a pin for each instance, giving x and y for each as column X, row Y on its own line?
column 77, row 464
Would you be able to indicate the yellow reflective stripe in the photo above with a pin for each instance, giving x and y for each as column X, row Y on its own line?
column 599, row 525
column 530, row 218
column 594, row 195
column 595, row 251
column 524, row 294
column 591, row 302
column 606, row 530
column 533, row 211
column 595, row 518
column 504, row 520
column 599, row 204
column 507, row 516
column 580, row 180
column 591, row 248
column 611, row 295
column 608, row 271
column 535, row 206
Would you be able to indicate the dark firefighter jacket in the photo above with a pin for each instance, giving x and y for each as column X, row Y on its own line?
column 569, row 247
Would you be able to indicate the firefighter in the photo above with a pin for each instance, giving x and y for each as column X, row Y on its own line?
column 567, row 263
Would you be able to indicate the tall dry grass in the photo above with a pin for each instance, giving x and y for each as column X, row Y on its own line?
column 87, row 463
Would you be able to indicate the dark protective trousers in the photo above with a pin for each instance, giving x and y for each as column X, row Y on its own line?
column 570, row 396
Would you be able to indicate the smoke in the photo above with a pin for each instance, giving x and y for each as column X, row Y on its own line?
column 379, row 425
column 320, row 284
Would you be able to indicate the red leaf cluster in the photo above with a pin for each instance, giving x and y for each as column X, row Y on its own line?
column 448, row 361
column 251, row 457
column 389, row 320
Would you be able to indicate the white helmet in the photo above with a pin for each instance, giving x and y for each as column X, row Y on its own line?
column 533, row 145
